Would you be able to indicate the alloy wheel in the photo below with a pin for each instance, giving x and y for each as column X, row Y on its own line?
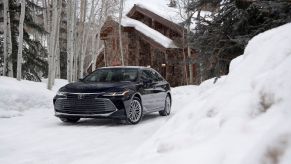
column 135, row 111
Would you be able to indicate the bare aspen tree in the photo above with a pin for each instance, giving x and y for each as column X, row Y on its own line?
column 52, row 45
column 9, row 39
column 68, row 10
column 119, row 32
column 86, row 34
column 20, row 39
column 105, row 5
column 70, row 38
column 57, row 42
column 81, row 36
column 5, row 53
column 182, row 5
column 46, row 20
column 188, row 45
column 184, row 59
column 49, row 14
column 75, row 56
column 45, row 15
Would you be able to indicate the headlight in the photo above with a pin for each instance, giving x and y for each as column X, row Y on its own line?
column 124, row 93
column 61, row 93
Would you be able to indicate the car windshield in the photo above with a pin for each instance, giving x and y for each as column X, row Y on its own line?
column 112, row 75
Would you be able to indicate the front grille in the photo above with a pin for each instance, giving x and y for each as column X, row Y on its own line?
column 84, row 104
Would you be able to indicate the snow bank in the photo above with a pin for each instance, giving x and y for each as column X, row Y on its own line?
column 243, row 118
column 149, row 32
column 18, row 96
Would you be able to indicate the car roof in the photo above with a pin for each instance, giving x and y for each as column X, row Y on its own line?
column 137, row 67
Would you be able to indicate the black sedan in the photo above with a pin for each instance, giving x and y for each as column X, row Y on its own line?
column 123, row 93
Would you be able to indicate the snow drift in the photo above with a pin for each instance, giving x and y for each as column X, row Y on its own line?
column 18, row 96
column 244, row 118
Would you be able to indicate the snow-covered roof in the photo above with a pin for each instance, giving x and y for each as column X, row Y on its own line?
column 159, row 7
column 149, row 32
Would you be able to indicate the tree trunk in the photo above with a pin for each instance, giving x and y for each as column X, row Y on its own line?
column 200, row 63
column 104, row 7
column 8, row 66
column 52, row 45
column 188, row 47
column 20, row 41
column 119, row 32
column 75, row 56
column 45, row 15
column 5, row 52
column 86, row 34
column 57, row 42
column 81, row 32
column 70, row 38
column 184, row 58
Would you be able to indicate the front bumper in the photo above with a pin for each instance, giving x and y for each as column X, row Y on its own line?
column 90, row 106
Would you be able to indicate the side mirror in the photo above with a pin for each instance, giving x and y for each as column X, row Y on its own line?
column 81, row 79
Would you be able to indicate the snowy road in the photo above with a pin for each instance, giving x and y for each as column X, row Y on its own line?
column 39, row 137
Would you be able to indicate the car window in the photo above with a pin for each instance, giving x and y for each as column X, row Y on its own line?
column 151, row 74
column 147, row 75
column 113, row 75
column 157, row 76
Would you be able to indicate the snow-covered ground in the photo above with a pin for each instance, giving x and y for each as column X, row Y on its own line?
column 36, row 136
column 16, row 97
column 244, row 118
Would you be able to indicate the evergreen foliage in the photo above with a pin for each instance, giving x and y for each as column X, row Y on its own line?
column 34, row 64
column 223, row 36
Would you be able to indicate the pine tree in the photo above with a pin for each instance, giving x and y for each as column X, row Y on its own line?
column 225, row 34
column 34, row 64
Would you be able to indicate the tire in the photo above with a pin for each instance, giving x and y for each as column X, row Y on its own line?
column 70, row 119
column 167, row 109
column 135, row 112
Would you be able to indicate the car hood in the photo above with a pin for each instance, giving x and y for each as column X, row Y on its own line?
column 95, row 87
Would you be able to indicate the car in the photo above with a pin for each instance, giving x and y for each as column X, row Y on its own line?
column 120, row 93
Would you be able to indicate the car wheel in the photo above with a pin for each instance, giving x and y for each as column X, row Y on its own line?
column 167, row 109
column 135, row 111
column 70, row 119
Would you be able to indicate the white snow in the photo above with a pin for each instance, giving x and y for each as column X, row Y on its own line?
column 244, row 118
column 39, row 137
column 16, row 96
column 149, row 32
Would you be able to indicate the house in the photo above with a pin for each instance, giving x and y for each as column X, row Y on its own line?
column 148, row 40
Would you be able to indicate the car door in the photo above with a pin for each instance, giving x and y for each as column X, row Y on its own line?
column 147, row 90
column 159, row 88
